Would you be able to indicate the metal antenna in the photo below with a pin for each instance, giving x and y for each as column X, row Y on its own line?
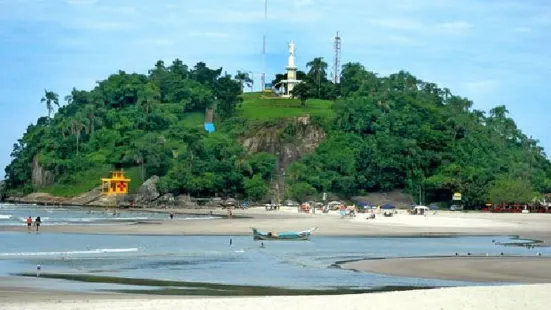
column 337, row 60
column 263, row 76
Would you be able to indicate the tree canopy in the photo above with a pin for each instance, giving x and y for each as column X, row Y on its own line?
column 399, row 132
column 385, row 133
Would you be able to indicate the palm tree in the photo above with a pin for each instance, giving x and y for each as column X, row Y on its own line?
column 317, row 71
column 148, row 97
column 51, row 99
column 77, row 126
column 244, row 79
column 90, row 113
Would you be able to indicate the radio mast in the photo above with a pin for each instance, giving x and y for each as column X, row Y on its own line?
column 263, row 75
column 337, row 59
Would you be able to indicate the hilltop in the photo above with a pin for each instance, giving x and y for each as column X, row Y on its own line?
column 363, row 135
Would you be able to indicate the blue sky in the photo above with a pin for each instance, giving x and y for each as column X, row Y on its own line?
column 492, row 51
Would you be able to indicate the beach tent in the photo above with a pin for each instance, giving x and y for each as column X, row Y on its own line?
column 420, row 210
column 387, row 206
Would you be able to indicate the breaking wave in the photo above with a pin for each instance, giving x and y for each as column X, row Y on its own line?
column 68, row 253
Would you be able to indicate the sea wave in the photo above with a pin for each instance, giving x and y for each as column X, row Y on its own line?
column 68, row 253
column 5, row 216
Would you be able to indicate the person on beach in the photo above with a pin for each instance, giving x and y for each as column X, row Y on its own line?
column 29, row 222
column 171, row 215
column 37, row 222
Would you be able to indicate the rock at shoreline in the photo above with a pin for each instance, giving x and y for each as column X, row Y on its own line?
column 148, row 192
column 88, row 197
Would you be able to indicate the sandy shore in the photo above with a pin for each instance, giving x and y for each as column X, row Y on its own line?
column 527, row 297
column 472, row 269
column 537, row 226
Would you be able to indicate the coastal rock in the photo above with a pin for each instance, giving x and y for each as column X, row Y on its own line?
column 43, row 198
column 108, row 201
column 88, row 197
column 289, row 140
column 166, row 200
column 185, row 201
column 40, row 177
column 148, row 192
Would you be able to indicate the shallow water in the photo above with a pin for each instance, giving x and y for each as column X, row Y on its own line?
column 305, row 264
column 16, row 215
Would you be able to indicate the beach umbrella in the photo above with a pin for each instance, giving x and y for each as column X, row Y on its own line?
column 387, row 206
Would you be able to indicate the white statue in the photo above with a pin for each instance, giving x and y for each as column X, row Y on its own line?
column 291, row 48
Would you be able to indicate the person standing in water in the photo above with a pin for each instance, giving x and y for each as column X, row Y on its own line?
column 37, row 222
column 171, row 215
column 29, row 222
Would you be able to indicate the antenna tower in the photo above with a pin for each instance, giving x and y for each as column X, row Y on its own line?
column 263, row 75
column 337, row 60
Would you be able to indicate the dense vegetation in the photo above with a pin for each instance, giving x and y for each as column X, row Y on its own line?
column 384, row 133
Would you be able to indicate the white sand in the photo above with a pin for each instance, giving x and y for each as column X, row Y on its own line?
column 436, row 221
column 526, row 297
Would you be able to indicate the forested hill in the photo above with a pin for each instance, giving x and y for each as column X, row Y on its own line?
column 381, row 134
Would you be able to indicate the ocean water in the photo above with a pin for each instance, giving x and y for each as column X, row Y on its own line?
column 15, row 215
column 305, row 264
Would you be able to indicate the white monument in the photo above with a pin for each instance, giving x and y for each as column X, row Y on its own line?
column 291, row 68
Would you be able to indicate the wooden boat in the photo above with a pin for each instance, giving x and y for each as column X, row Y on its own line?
column 287, row 235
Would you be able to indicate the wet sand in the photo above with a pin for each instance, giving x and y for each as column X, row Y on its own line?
column 473, row 269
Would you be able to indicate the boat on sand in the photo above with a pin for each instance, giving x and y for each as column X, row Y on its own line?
column 286, row 235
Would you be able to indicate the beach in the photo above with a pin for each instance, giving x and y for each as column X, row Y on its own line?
column 533, row 226
column 467, row 268
column 527, row 297
column 464, row 268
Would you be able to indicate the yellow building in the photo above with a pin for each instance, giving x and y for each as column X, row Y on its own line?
column 117, row 184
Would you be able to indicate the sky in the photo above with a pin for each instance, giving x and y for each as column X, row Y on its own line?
column 495, row 52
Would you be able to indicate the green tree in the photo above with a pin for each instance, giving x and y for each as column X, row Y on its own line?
column 301, row 191
column 255, row 188
column 510, row 190
column 244, row 79
column 317, row 71
column 303, row 91
column 50, row 99
column 77, row 127
column 148, row 98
